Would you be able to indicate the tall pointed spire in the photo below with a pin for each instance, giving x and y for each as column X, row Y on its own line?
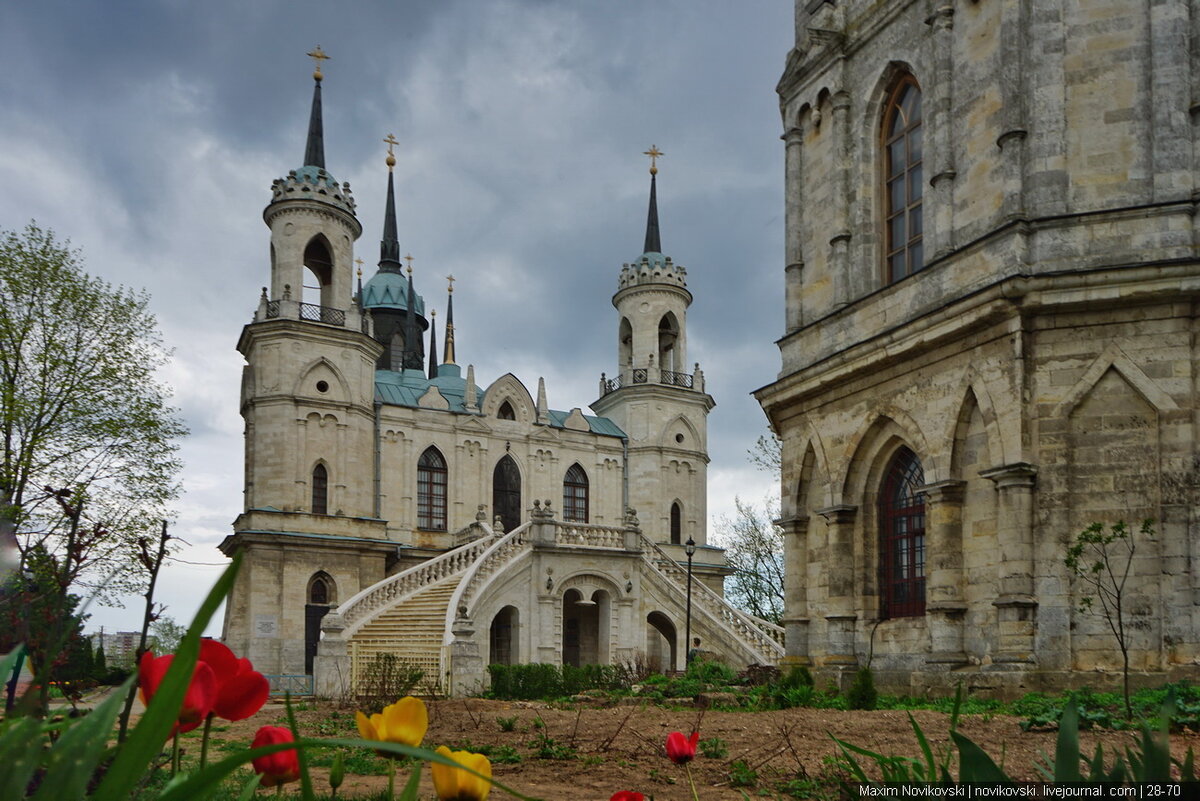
column 653, row 243
column 314, row 150
column 389, row 246
column 433, row 362
column 449, row 340
column 412, row 355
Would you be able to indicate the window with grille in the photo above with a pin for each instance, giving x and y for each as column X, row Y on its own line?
column 431, row 491
column 902, row 538
column 902, row 159
column 575, row 495
column 320, row 490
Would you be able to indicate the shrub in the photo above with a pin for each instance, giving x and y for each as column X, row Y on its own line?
column 387, row 678
column 862, row 693
column 798, row 676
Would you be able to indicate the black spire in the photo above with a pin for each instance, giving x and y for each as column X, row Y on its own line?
column 412, row 352
column 389, row 246
column 314, row 151
column 433, row 362
column 653, row 244
column 449, row 341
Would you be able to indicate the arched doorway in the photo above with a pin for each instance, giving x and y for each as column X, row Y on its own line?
column 660, row 641
column 321, row 593
column 502, row 639
column 506, row 493
column 585, row 628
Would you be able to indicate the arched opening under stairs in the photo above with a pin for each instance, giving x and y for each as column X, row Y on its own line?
column 660, row 642
column 585, row 628
column 502, row 637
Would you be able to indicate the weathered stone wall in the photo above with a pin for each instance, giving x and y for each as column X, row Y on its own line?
column 1042, row 365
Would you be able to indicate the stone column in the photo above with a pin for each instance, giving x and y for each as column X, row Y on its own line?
column 940, row 209
column 795, row 602
column 794, row 210
column 839, row 242
column 839, row 570
column 468, row 675
column 1016, row 605
column 1013, row 127
column 944, row 602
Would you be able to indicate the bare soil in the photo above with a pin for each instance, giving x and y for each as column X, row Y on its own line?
column 612, row 748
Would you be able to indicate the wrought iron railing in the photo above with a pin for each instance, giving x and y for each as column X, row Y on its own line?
column 612, row 385
column 272, row 309
column 322, row 314
column 640, row 375
column 293, row 684
column 677, row 379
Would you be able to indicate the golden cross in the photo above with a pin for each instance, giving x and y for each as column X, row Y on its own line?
column 317, row 56
column 391, row 157
column 409, row 259
column 451, row 279
column 653, row 153
column 359, row 262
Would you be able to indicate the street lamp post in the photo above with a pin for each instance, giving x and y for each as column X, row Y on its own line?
column 690, row 548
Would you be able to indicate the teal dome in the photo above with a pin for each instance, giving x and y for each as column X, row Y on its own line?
column 388, row 290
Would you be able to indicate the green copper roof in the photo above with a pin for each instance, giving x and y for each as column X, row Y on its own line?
column 388, row 290
column 406, row 388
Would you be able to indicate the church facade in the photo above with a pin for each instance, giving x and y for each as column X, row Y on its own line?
column 394, row 506
column 991, row 336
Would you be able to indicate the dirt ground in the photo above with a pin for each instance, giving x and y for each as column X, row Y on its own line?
column 621, row 747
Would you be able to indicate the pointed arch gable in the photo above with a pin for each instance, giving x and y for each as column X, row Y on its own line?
column 793, row 472
column 1113, row 357
column 974, row 395
column 889, row 429
column 322, row 369
column 508, row 388
column 680, row 425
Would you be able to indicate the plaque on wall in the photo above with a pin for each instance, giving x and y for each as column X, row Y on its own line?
column 266, row 626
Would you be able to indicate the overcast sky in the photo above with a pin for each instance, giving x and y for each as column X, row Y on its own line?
column 148, row 133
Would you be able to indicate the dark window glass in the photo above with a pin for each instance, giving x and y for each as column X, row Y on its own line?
column 902, row 538
column 505, row 412
column 320, row 490
column 431, row 491
column 903, row 178
column 676, row 524
column 575, row 495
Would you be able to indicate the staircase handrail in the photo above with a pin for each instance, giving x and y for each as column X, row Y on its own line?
column 391, row 590
column 497, row 554
column 767, row 636
column 591, row 535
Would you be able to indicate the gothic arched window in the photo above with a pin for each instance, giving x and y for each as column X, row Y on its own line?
column 320, row 490
column 676, row 523
column 505, row 412
column 575, row 495
column 431, row 491
column 902, row 538
column 902, row 178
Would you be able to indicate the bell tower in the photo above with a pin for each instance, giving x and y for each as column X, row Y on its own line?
column 655, row 398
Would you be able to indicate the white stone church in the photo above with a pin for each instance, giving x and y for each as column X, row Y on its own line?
column 392, row 505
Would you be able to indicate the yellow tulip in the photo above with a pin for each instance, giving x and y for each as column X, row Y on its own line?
column 455, row 784
column 403, row 722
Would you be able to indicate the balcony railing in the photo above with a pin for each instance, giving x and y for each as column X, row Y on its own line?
column 322, row 314
column 677, row 379
column 272, row 309
column 639, row 375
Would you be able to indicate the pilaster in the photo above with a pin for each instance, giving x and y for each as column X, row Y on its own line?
column 841, row 616
column 840, row 241
column 945, row 605
column 941, row 181
column 794, row 209
column 795, row 620
column 1016, row 605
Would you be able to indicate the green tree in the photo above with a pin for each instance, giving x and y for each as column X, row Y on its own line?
column 754, row 544
column 1101, row 561
column 89, row 440
column 165, row 635
column 100, row 663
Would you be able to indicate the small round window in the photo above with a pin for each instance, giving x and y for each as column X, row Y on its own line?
column 679, row 437
column 322, row 386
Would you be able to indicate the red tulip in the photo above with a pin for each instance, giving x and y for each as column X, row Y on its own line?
column 627, row 795
column 280, row 767
column 682, row 749
column 241, row 690
column 201, row 692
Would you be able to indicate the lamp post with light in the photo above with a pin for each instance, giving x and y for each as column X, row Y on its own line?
column 690, row 548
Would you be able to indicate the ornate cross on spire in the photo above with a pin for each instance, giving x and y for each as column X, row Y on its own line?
column 653, row 153
column 359, row 262
column 451, row 279
column 318, row 56
column 391, row 157
column 408, row 258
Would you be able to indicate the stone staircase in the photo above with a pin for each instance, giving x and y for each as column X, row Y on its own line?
column 412, row 631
